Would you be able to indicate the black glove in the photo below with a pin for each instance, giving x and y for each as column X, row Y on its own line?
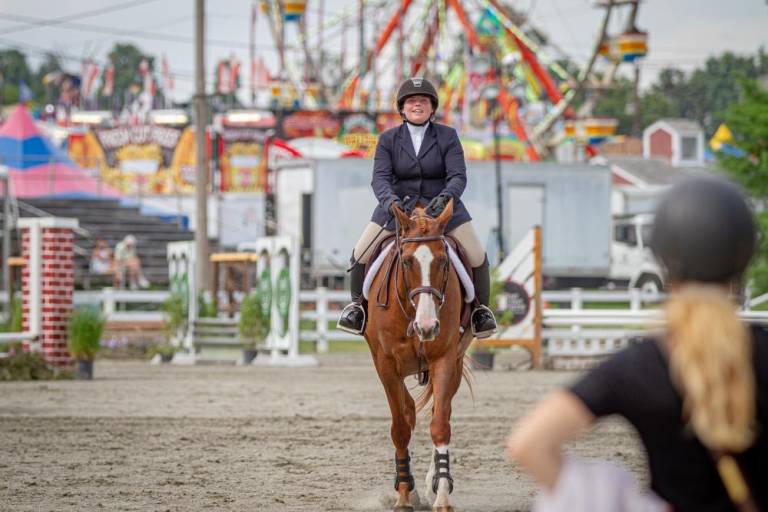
column 396, row 203
column 438, row 204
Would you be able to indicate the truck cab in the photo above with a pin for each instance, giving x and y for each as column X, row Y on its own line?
column 632, row 262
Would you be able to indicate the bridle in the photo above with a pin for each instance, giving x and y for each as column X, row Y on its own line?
column 411, row 293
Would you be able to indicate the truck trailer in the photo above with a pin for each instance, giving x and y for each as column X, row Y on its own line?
column 327, row 203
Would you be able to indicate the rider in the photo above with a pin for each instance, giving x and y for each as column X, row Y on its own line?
column 419, row 163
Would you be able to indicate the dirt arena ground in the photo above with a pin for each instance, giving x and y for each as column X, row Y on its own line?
column 175, row 438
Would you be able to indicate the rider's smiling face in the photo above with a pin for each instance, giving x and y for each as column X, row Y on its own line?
column 417, row 109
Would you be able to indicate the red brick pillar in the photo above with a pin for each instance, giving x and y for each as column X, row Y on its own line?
column 47, row 284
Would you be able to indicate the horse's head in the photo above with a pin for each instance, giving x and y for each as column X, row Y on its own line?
column 425, row 266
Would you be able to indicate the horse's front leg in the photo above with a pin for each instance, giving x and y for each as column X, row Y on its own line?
column 446, row 378
column 403, row 412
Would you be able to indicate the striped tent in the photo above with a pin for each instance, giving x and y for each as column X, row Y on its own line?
column 37, row 168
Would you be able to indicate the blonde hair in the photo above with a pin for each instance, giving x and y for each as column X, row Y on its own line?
column 711, row 364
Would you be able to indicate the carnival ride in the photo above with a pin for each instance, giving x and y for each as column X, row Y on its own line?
column 487, row 58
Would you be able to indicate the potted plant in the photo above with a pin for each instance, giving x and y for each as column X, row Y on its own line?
column 251, row 326
column 84, row 329
column 174, row 326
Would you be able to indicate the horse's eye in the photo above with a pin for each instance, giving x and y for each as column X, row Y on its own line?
column 408, row 262
column 442, row 261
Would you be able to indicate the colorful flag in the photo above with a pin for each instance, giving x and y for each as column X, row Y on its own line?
column 234, row 72
column 260, row 74
column 108, row 80
column 168, row 83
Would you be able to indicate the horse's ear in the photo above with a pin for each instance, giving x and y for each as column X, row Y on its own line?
column 402, row 218
column 445, row 217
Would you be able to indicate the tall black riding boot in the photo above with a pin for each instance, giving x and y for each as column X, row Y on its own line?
column 483, row 321
column 352, row 317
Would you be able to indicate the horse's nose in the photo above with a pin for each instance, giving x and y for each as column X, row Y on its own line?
column 428, row 331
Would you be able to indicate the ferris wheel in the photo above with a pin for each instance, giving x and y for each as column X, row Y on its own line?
column 488, row 61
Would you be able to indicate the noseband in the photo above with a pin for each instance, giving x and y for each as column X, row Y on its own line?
column 412, row 293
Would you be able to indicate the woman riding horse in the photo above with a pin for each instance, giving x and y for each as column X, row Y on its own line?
column 420, row 163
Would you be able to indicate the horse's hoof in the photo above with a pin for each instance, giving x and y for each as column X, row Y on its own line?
column 408, row 508
column 442, row 509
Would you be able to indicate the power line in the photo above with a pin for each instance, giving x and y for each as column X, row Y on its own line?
column 140, row 34
column 80, row 15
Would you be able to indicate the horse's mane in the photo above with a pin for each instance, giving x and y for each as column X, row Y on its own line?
column 424, row 223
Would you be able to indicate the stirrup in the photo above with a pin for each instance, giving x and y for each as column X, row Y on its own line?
column 482, row 334
column 347, row 329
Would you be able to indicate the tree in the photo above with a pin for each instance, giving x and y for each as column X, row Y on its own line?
column 13, row 71
column 748, row 121
column 46, row 92
column 126, row 59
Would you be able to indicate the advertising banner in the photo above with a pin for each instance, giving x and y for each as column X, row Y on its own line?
column 242, row 159
column 144, row 159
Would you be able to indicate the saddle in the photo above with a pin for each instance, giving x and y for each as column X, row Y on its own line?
column 379, row 262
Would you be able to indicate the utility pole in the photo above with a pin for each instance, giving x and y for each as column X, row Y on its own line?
column 637, row 114
column 361, row 28
column 201, row 176
column 252, row 51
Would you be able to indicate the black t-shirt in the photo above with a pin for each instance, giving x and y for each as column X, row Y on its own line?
column 635, row 383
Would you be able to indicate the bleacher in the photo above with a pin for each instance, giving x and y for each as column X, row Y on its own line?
column 108, row 219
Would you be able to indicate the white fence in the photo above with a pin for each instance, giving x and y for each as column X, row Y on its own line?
column 570, row 329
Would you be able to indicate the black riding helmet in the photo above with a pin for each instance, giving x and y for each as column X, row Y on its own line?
column 704, row 231
column 413, row 87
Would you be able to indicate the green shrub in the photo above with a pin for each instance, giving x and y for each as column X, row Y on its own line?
column 85, row 327
column 175, row 315
column 22, row 365
column 251, row 326
column 206, row 308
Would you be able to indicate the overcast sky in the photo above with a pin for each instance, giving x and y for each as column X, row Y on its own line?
column 681, row 32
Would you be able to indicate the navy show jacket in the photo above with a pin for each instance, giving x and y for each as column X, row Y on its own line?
column 398, row 172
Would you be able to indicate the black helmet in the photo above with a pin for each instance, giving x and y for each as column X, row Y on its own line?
column 704, row 231
column 414, row 86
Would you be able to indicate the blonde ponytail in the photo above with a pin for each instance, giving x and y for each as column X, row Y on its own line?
column 711, row 363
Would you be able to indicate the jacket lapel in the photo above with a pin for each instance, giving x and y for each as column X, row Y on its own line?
column 430, row 139
column 405, row 141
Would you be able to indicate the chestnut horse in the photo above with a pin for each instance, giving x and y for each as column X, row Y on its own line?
column 416, row 330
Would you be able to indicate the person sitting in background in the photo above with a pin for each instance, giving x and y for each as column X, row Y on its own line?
column 697, row 393
column 101, row 259
column 127, row 262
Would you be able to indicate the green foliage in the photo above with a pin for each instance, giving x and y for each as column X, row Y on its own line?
column 206, row 308
column 503, row 318
column 85, row 327
column 251, row 326
column 748, row 121
column 175, row 315
column 704, row 95
column 20, row 365
column 126, row 58
column 164, row 349
column 16, row 316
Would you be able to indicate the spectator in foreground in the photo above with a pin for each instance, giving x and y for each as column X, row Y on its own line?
column 697, row 394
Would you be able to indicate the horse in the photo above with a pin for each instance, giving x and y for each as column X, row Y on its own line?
column 416, row 330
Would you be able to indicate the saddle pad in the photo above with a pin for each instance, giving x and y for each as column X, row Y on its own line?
column 466, row 281
column 374, row 269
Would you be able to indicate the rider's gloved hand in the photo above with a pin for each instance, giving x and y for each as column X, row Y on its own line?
column 438, row 204
column 396, row 203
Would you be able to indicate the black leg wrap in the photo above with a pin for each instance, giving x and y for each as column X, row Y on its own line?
column 403, row 473
column 481, row 276
column 357, row 277
column 442, row 470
